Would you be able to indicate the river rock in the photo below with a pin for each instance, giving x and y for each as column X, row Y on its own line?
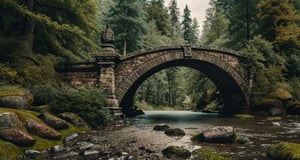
column 175, row 132
column 53, row 121
column 31, row 152
column 219, row 134
column 268, row 103
column 41, row 130
column 175, row 152
column 86, row 145
column 17, row 136
column 73, row 118
column 16, row 102
column 57, row 148
column 9, row 120
column 243, row 140
column 70, row 138
column 276, row 112
column 161, row 127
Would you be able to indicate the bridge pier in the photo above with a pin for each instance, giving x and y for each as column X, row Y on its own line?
column 106, row 62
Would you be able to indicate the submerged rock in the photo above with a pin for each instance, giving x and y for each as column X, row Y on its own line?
column 176, row 152
column 175, row 132
column 53, row 121
column 161, row 127
column 219, row 134
column 41, row 130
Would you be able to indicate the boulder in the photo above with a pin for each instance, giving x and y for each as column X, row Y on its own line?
column 53, row 121
column 280, row 94
column 161, row 127
column 16, row 102
column 17, row 136
column 276, row 112
column 57, row 148
column 175, row 132
column 9, row 120
column 73, row 118
column 284, row 150
column 219, row 134
column 175, row 152
column 41, row 130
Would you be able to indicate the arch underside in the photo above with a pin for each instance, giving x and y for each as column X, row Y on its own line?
column 230, row 83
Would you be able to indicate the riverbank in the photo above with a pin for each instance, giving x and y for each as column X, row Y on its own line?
column 136, row 139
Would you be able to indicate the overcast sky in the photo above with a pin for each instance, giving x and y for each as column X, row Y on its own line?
column 197, row 7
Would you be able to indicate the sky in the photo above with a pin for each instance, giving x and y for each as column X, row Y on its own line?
column 197, row 7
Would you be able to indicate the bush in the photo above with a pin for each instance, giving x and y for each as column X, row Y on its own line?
column 43, row 94
column 87, row 103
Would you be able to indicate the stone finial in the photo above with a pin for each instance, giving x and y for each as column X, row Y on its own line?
column 107, row 36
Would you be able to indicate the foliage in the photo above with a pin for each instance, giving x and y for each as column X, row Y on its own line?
column 12, row 90
column 189, row 27
column 279, row 23
column 43, row 94
column 127, row 19
column 215, row 26
column 8, row 74
column 87, row 103
column 63, row 28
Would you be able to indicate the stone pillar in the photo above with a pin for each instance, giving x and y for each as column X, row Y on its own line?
column 106, row 61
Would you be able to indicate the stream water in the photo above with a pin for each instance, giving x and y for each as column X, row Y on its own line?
column 137, row 139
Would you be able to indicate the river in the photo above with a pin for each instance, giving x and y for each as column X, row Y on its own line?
column 136, row 139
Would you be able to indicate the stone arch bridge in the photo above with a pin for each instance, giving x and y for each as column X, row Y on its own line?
column 120, row 76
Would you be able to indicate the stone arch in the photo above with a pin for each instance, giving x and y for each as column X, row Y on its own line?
column 221, row 66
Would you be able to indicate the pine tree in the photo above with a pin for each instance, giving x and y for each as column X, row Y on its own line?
column 175, row 17
column 127, row 19
column 242, row 21
column 215, row 26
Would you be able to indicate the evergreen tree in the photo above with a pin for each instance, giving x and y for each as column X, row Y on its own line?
column 189, row 29
column 242, row 17
column 158, row 13
column 175, row 17
column 215, row 26
column 127, row 19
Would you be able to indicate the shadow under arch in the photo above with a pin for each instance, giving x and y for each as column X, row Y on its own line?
column 233, row 97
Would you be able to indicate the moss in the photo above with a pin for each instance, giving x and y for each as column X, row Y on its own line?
column 176, row 151
column 244, row 116
column 41, row 143
column 284, row 150
column 208, row 155
column 274, row 118
column 11, row 90
column 9, row 150
column 280, row 94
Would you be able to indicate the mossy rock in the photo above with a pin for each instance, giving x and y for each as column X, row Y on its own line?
column 204, row 154
column 244, row 116
column 9, row 150
column 274, row 118
column 15, row 97
column 268, row 103
column 280, row 94
column 176, row 152
column 284, row 150
column 293, row 107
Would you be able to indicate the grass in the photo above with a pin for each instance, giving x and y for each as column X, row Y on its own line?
column 11, row 151
column 11, row 90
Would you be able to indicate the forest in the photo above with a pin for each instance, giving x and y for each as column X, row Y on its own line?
column 36, row 36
